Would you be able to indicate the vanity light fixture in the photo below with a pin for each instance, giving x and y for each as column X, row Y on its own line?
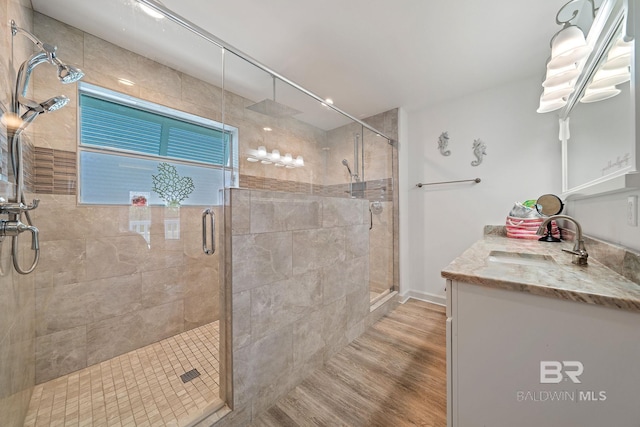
column 263, row 156
column 551, row 105
column 569, row 48
column 612, row 77
column 561, row 76
column 614, row 71
column 619, row 56
column 595, row 95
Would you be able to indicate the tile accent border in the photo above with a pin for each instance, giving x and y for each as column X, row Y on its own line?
column 55, row 171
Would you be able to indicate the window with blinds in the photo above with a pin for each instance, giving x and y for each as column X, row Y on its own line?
column 123, row 139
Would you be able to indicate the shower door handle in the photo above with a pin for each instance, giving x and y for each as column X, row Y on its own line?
column 205, row 248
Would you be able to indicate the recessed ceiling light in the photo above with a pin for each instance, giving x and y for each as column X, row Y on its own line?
column 151, row 12
column 267, row 129
column 327, row 102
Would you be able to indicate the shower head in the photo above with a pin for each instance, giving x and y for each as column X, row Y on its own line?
column 54, row 103
column 272, row 108
column 15, row 125
column 51, row 104
column 46, row 53
column 68, row 73
column 346, row 163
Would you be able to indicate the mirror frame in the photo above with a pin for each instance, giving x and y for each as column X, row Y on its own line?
column 613, row 15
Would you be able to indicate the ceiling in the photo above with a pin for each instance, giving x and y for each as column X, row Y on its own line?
column 369, row 56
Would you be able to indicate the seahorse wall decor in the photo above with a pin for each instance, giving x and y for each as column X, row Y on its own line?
column 443, row 142
column 479, row 150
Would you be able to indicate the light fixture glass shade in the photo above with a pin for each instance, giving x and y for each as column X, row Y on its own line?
column 262, row 151
column 568, row 47
column 607, row 78
column 275, row 155
column 619, row 56
column 299, row 161
column 548, row 106
column 557, row 92
column 287, row 158
column 561, row 76
column 595, row 95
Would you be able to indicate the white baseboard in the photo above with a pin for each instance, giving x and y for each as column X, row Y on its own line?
column 423, row 296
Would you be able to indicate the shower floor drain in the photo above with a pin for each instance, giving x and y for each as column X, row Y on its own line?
column 189, row 375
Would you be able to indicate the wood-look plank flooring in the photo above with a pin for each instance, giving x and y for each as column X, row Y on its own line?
column 393, row 375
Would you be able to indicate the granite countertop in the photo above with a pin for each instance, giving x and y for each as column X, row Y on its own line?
column 559, row 278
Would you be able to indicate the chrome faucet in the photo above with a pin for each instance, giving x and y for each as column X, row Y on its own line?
column 579, row 252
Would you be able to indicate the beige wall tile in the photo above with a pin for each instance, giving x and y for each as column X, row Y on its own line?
column 344, row 277
column 241, row 324
column 60, row 353
column 201, row 309
column 241, row 211
column 313, row 249
column 162, row 286
column 308, row 342
column 272, row 211
column 117, row 335
column 338, row 212
column 283, row 303
column 259, row 259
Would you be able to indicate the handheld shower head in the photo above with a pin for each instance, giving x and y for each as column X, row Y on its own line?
column 346, row 163
column 51, row 104
column 54, row 103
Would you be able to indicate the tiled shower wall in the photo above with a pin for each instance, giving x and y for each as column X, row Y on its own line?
column 380, row 174
column 103, row 289
column 17, row 314
column 300, row 292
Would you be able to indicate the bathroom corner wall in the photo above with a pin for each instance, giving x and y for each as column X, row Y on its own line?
column 17, row 299
column 522, row 163
column 299, row 288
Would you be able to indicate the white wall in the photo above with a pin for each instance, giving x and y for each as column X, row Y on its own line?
column 605, row 217
column 437, row 223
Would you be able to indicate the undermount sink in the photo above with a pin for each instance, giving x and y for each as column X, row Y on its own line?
column 518, row 258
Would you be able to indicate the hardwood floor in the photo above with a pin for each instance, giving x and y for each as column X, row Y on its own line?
column 393, row 375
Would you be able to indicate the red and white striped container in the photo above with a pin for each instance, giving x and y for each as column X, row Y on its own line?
column 525, row 228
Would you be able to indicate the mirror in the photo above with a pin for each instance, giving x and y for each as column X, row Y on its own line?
column 549, row 205
column 597, row 125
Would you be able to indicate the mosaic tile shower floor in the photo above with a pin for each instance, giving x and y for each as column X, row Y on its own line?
column 139, row 388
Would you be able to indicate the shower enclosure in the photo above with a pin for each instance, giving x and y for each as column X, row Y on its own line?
column 159, row 294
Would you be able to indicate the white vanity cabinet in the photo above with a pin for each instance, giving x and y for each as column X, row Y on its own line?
column 516, row 359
